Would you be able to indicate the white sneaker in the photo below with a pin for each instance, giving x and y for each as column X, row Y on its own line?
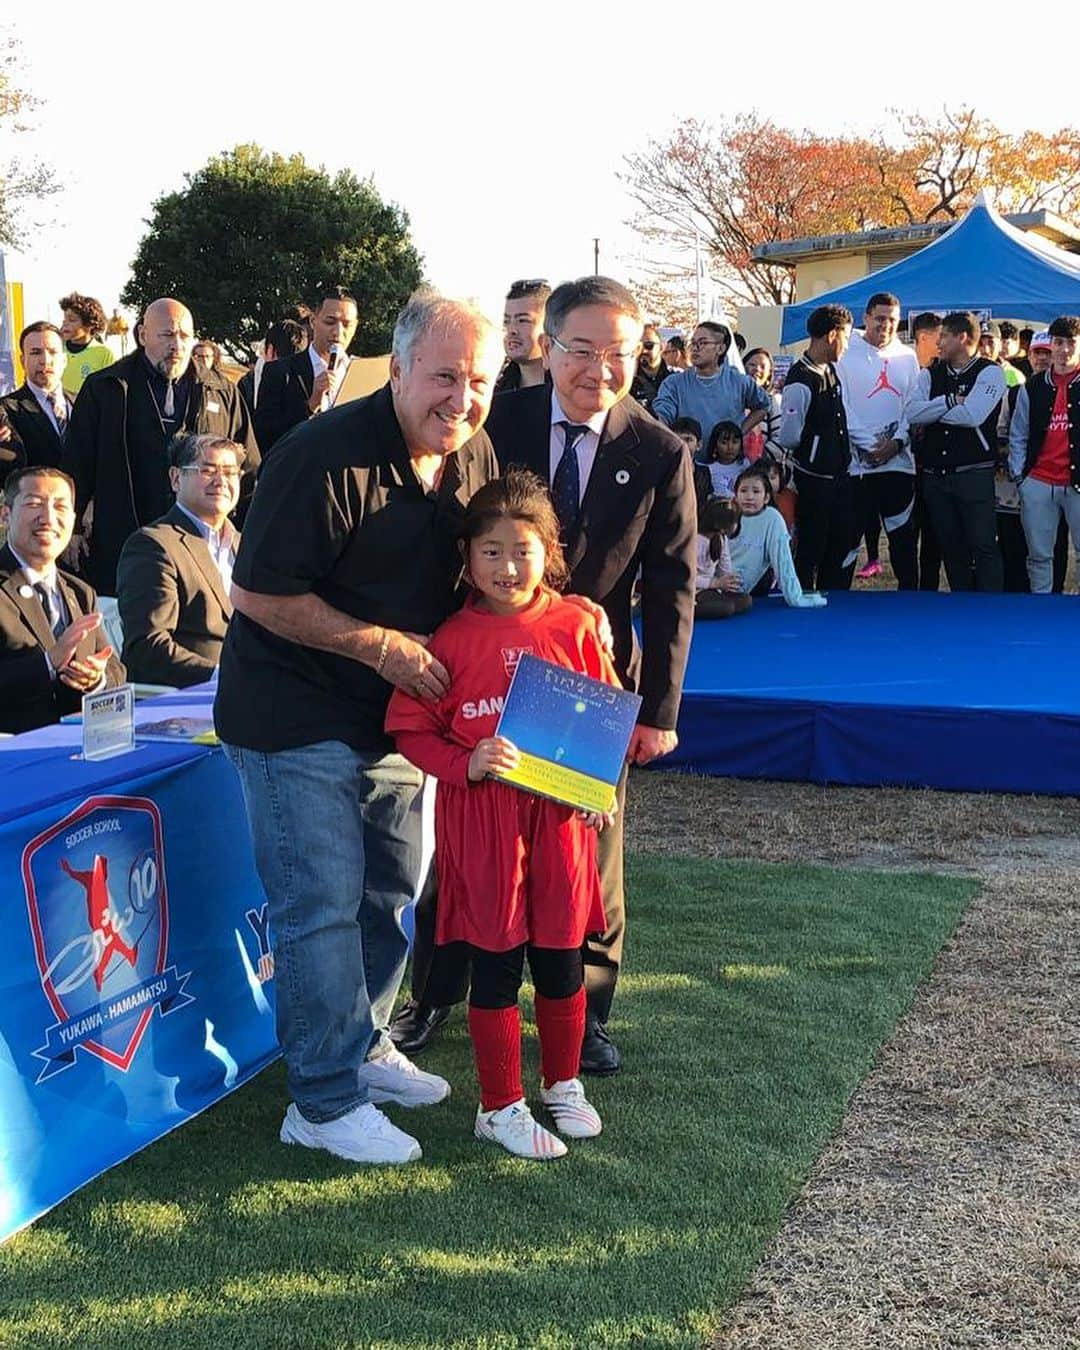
column 574, row 1116
column 514, row 1127
column 393, row 1077
column 362, row 1135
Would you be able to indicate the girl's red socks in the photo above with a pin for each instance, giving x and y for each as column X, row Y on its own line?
column 496, row 1039
column 561, row 1024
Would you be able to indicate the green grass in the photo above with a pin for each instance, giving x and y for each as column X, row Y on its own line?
column 754, row 1002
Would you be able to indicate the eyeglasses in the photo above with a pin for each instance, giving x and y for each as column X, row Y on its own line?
column 208, row 472
column 704, row 342
column 607, row 356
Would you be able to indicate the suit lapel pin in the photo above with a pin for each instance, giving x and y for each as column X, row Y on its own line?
column 622, row 477
column 27, row 592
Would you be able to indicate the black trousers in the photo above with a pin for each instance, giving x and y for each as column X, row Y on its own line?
column 1013, row 547
column 827, row 533
column 440, row 975
column 926, row 539
column 889, row 498
column 496, row 976
column 962, row 508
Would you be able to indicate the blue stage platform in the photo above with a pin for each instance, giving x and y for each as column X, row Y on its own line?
column 967, row 692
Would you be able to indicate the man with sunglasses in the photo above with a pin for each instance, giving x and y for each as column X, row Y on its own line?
column 173, row 577
column 623, row 488
column 651, row 371
column 712, row 391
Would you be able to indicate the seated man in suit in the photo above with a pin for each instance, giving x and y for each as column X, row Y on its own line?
column 38, row 411
column 52, row 646
column 174, row 575
column 306, row 383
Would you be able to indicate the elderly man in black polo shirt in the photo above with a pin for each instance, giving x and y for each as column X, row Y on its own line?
column 348, row 560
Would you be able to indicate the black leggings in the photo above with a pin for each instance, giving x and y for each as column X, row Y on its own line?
column 496, row 976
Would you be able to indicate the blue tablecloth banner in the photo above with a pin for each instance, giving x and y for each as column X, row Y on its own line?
column 137, row 984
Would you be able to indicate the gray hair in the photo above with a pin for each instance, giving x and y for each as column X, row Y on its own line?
column 186, row 448
column 573, row 295
column 426, row 310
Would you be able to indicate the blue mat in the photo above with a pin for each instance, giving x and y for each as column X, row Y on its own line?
column 968, row 692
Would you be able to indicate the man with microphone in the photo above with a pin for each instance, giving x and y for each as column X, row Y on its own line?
column 306, row 383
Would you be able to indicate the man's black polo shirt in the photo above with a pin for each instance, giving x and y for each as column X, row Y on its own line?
column 338, row 511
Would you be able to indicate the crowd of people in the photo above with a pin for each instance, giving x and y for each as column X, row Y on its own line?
column 363, row 577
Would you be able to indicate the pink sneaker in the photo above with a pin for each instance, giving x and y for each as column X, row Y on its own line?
column 872, row 569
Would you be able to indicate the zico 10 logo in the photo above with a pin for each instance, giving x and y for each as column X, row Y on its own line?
column 99, row 914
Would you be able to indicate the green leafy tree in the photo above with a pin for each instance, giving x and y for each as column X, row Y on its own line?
column 253, row 233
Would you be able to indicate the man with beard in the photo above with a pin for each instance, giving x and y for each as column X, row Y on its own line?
column 122, row 423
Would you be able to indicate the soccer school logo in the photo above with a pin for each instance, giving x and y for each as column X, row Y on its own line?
column 99, row 915
column 511, row 656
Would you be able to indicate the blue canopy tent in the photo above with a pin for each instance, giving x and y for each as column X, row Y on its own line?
column 981, row 263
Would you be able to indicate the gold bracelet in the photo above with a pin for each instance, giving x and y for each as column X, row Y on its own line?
column 383, row 651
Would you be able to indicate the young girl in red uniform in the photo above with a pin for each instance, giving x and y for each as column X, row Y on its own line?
column 517, row 873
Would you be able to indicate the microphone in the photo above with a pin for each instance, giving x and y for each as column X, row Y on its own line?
column 335, row 352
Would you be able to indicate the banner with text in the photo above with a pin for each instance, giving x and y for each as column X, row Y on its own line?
column 137, row 981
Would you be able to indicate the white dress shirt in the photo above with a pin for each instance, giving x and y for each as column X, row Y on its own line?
column 587, row 446
column 221, row 543
column 45, row 400
column 318, row 365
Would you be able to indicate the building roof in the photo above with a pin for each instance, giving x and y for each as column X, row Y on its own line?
column 1050, row 226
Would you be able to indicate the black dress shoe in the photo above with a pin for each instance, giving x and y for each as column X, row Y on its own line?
column 599, row 1053
column 415, row 1025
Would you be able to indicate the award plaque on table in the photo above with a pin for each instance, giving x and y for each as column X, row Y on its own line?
column 572, row 733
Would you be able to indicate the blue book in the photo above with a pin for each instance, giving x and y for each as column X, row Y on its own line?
column 572, row 732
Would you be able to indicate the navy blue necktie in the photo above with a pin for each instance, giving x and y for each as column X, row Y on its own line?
column 52, row 614
column 566, row 485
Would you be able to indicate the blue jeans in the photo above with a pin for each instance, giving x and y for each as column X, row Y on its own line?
column 337, row 846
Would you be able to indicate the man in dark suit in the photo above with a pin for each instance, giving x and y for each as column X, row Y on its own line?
column 38, row 410
column 122, row 423
column 172, row 583
column 306, row 383
column 52, row 646
column 283, row 339
column 624, row 490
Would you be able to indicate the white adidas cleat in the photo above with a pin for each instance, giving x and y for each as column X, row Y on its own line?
column 574, row 1115
column 361, row 1135
column 393, row 1077
column 514, row 1127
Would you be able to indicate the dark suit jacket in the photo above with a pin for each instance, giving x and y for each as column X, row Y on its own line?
column 638, row 510
column 29, row 696
column 99, row 456
column 172, row 603
column 284, row 391
column 32, row 430
column 246, row 386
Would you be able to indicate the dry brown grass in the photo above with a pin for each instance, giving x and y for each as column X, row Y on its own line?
column 944, row 1212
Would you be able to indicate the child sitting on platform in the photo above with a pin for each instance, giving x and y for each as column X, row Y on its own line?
column 724, row 458
column 784, row 497
column 718, row 588
column 762, row 541
column 688, row 430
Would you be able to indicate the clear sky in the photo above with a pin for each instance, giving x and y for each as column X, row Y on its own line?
column 500, row 129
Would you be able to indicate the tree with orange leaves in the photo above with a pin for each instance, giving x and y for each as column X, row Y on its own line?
column 749, row 182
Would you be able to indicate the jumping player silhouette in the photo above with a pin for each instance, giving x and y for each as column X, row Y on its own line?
column 883, row 383
column 100, row 913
